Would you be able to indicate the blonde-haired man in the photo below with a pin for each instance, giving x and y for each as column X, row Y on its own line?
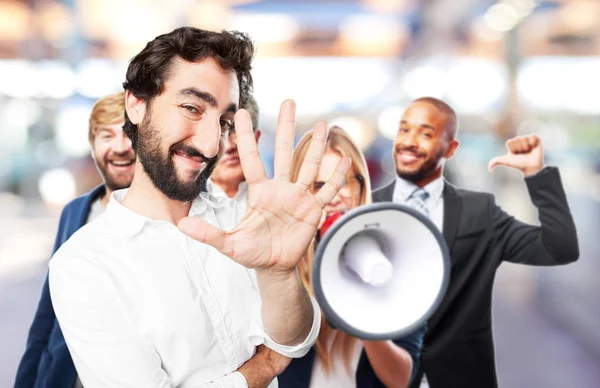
column 47, row 361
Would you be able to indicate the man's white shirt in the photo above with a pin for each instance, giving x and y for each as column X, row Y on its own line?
column 434, row 204
column 143, row 305
column 241, row 196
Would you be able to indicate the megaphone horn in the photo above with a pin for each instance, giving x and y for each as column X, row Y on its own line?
column 380, row 271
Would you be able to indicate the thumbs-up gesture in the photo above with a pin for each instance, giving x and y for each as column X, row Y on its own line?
column 525, row 153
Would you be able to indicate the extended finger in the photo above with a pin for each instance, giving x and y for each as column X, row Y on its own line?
column 314, row 155
column 252, row 166
column 202, row 231
column 499, row 161
column 334, row 184
column 284, row 140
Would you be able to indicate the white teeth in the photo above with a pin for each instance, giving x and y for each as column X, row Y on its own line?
column 121, row 163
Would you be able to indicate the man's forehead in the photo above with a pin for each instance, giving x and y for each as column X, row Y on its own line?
column 205, row 75
column 424, row 111
column 111, row 126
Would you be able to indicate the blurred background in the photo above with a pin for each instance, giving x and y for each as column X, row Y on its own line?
column 508, row 67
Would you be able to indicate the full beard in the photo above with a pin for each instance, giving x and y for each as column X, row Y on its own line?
column 161, row 168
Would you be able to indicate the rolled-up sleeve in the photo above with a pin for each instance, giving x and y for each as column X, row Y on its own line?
column 258, row 335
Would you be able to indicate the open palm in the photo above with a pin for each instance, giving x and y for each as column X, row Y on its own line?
column 282, row 217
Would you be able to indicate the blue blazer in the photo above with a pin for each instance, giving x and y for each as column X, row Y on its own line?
column 47, row 362
column 298, row 373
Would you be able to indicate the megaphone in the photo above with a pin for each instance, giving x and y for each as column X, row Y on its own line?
column 380, row 271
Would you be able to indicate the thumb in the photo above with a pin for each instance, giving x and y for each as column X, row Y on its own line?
column 503, row 160
column 202, row 231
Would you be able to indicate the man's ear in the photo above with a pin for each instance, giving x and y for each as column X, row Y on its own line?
column 135, row 108
column 452, row 147
column 257, row 134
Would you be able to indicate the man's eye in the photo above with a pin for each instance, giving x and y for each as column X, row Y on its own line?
column 427, row 135
column 192, row 109
column 227, row 126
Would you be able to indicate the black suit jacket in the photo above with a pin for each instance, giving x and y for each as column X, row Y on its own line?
column 298, row 373
column 458, row 349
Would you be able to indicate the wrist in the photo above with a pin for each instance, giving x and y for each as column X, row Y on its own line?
column 276, row 276
column 530, row 171
column 257, row 374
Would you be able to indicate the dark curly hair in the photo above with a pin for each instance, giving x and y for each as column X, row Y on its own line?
column 149, row 69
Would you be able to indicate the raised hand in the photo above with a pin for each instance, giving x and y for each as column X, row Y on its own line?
column 525, row 153
column 282, row 217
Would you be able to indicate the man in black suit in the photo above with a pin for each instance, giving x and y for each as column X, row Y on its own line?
column 458, row 349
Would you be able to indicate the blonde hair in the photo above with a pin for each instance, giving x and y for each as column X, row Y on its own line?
column 338, row 141
column 106, row 111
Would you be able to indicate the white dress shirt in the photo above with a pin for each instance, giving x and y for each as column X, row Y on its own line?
column 143, row 305
column 95, row 210
column 434, row 204
column 241, row 196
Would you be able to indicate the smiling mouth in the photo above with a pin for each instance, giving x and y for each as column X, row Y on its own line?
column 230, row 160
column 184, row 154
column 409, row 157
column 196, row 162
column 121, row 163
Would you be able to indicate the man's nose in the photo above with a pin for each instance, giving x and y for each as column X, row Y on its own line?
column 231, row 145
column 409, row 140
column 207, row 140
column 121, row 144
column 336, row 199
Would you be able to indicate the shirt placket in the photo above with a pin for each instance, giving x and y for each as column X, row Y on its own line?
column 210, row 302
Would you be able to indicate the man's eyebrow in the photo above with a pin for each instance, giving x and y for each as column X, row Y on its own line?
column 204, row 96
column 422, row 125
column 232, row 108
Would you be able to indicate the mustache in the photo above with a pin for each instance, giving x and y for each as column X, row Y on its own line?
column 411, row 149
column 191, row 151
column 120, row 156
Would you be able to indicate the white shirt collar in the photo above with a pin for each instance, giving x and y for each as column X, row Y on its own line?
column 216, row 190
column 403, row 189
column 129, row 223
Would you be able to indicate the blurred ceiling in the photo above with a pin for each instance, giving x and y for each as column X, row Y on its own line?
column 382, row 28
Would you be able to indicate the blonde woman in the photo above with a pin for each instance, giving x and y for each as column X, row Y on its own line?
column 337, row 359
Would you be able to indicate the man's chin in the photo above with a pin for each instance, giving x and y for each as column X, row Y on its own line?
column 188, row 177
column 114, row 184
column 227, row 176
column 410, row 175
column 181, row 191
